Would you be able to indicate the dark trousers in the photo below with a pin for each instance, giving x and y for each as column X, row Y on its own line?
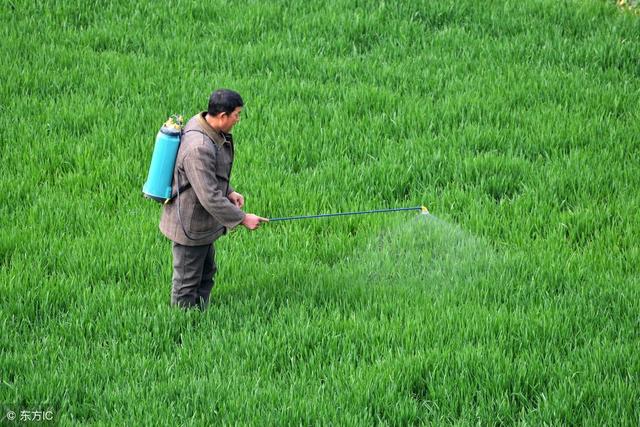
column 194, row 268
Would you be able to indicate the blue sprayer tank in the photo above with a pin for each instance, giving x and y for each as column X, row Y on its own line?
column 165, row 151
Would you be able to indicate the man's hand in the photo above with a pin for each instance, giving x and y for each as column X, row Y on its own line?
column 237, row 199
column 252, row 221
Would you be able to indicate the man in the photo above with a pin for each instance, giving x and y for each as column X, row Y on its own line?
column 207, row 205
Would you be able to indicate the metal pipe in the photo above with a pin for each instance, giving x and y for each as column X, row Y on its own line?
column 291, row 218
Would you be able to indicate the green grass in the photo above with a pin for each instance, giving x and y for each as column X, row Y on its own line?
column 516, row 123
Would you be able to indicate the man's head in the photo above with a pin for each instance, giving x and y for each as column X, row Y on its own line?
column 224, row 108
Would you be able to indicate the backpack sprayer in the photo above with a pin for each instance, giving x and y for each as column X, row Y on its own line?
column 158, row 184
column 423, row 210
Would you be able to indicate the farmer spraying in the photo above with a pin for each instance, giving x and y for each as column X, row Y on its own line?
column 190, row 174
column 206, row 205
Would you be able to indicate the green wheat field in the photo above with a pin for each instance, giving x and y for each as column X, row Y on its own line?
column 517, row 302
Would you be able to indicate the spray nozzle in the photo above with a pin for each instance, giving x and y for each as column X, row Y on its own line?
column 424, row 210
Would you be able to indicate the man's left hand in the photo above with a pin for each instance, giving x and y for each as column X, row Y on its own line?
column 237, row 199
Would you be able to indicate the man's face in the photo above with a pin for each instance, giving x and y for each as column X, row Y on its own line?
column 228, row 121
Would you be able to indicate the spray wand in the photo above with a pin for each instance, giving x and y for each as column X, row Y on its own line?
column 422, row 209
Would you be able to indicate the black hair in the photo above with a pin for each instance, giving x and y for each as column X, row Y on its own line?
column 224, row 101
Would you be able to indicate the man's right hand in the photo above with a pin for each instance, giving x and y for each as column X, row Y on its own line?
column 252, row 221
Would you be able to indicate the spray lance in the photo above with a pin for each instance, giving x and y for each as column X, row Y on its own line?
column 423, row 210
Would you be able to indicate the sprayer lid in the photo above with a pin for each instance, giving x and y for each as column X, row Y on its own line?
column 170, row 130
column 173, row 125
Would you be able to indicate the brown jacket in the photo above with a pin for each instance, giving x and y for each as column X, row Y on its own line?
column 204, row 160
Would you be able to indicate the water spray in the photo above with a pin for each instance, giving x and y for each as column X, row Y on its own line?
column 423, row 210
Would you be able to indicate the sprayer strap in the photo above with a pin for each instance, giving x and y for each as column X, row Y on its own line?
column 188, row 184
column 182, row 188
